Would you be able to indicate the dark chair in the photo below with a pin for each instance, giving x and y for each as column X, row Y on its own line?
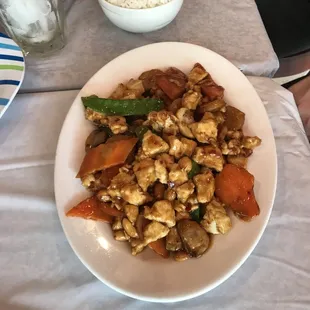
column 288, row 25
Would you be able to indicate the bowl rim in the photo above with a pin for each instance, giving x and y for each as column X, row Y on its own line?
column 116, row 7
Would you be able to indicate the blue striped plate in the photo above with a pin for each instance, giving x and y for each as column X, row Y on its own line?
column 12, row 70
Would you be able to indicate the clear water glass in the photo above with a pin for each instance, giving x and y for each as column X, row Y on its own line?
column 37, row 26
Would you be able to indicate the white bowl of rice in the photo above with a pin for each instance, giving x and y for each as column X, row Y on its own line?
column 141, row 15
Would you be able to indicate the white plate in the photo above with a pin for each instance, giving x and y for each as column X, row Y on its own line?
column 12, row 70
column 148, row 276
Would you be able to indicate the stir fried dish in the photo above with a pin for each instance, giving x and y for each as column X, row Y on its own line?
column 166, row 161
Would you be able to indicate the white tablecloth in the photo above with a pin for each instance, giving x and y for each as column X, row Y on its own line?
column 38, row 269
column 232, row 28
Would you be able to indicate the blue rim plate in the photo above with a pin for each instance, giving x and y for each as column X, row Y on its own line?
column 12, row 70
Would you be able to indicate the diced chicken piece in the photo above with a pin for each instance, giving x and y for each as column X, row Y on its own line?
column 185, row 117
column 130, row 94
column 197, row 74
column 167, row 159
column 185, row 164
column 103, row 195
column 161, row 171
column 251, row 142
column 197, row 89
column 178, row 206
column 191, row 100
column 145, row 173
column 219, row 117
column 96, row 117
column 161, row 211
column 176, row 146
column 234, row 134
column 137, row 86
column 173, row 240
column 233, row 147
column 188, row 146
column 205, row 186
column 180, row 147
column 118, row 203
column 204, row 130
column 154, row 231
column 170, row 194
column 209, row 156
column 134, row 195
column 216, row 220
column 126, row 168
column 240, row 161
column 207, row 115
column 88, row 180
column 118, row 182
column 118, row 93
column 177, row 176
column 94, row 183
column 117, row 124
column 163, row 121
column 192, row 203
column 140, row 155
column 179, row 216
column 131, row 212
column 153, row 144
column 185, row 190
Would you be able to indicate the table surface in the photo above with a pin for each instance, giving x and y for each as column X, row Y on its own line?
column 232, row 28
column 39, row 269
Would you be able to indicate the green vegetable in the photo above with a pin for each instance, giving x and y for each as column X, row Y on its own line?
column 195, row 215
column 195, row 170
column 140, row 131
column 123, row 107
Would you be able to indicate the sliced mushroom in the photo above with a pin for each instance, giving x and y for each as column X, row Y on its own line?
column 234, row 118
column 212, row 106
column 194, row 238
column 159, row 191
column 175, row 105
column 95, row 138
column 240, row 161
column 173, row 240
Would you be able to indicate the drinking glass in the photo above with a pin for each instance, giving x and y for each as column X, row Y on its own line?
column 36, row 25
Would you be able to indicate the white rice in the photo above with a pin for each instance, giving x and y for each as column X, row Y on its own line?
column 138, row 4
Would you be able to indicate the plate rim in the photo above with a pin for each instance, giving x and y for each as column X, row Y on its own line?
column 199, row 292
